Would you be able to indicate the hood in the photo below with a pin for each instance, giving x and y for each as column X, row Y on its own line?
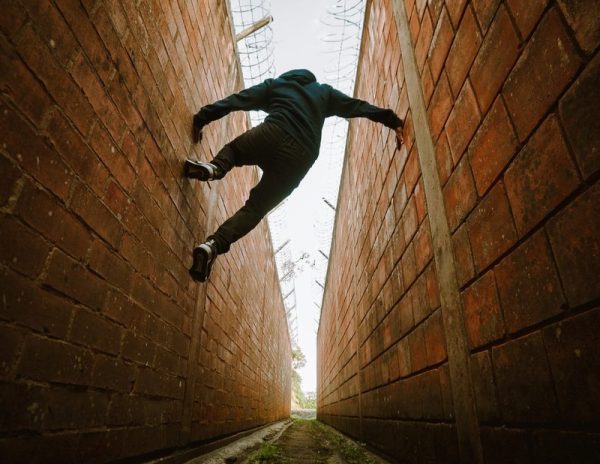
column 301, row 76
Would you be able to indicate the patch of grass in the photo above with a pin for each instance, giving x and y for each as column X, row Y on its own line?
column 352, row 452
column 267, row 453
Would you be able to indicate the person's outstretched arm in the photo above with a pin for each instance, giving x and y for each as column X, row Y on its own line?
column 252, row 98
column 344, row 106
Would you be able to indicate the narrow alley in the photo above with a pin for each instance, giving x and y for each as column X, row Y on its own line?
column 460, row 317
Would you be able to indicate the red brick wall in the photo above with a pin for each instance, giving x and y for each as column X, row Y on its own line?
column 511, row 92
column 96, row 229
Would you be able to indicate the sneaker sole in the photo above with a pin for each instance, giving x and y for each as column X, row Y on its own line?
column 200, row 174
column 201, row 267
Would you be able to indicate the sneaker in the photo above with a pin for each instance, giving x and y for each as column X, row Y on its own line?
column 201, row 171
column 204, row 257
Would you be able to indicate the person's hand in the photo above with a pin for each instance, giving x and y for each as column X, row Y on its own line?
column 399, row 136
column 196, row 130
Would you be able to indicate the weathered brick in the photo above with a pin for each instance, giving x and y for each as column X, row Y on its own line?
column 443, row 158
column 440, row 44
column 74, row 280
column 490, row 228
column 424, row 40
column 580, row 118
column 420, row 201
column 485, row 10
column 84, row 30
column 121, row 309
column 116, row 199
column 96, row 214
column 432, row 396
column 33, row 155
column 26, row 403
column 582, row 16
column 462, row 122
column 528, row 284
column 483, row 384
column 483, row 314
column 526, row 14
column 10, row 176
column 85, row 77
column 523, row 379
column 412, row 170
column 420, row 303
column 22, row 84
column 574, row 234
column 29, row 305
column 495, row 59
column 440, row 106
column 48, row 216
column 36, row 54
column 12, row 20
column 109, row 265
column 548, row 62
column 112, row 373
column 431, row 283
column 110, row 154
column 21, row 248
column 110, row 444
column 52, row 28
column 417, row 349
column 55, row 361
column 423, row 247
column 138, row 348
column 11, row 341
column 153, row 383
column 409, row 268
column 426, row 83
column 492, row 147
column 575, row 367
column 463, row 257
column 463, row 51
column 94, row 331
column 540, row 177
column 455, row 9
column 459, row 194
column 68, row 409
column 435, row 339
column 405, row 312
column 409, row 220
column 76, row 153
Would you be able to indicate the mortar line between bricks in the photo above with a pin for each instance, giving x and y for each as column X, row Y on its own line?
column 467, row 424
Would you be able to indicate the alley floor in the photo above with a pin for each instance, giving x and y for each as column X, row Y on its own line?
column 299, row 441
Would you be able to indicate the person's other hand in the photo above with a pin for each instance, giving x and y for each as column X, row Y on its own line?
column 399, row 136
column 196, row 130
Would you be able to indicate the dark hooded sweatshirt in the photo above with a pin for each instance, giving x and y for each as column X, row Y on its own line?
column 297, row 103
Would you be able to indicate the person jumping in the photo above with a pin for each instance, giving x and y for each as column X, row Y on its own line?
column 284, row 146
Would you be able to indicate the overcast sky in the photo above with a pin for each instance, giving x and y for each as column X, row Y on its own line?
column 297, row 37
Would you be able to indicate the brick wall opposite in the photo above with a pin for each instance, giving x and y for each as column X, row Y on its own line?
column 511, row 91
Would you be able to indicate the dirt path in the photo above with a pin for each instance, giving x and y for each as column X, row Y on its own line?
column 303, row 442
column 309, row 441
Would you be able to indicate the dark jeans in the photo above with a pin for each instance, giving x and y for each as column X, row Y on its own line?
column 284, row 163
